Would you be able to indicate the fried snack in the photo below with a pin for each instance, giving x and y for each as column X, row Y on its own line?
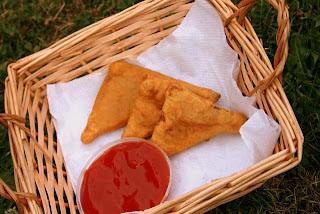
column 116, row 98
column 189, row 119
column 147, row 110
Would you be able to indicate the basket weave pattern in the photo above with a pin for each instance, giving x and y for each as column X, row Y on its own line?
column 42, row 181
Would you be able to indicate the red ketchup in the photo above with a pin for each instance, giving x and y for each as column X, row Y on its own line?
column 127, row 177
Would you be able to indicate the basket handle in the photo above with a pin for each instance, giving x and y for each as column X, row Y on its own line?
column 5, row 190
column 281, row 54
column 18, row 121
column 18, row 197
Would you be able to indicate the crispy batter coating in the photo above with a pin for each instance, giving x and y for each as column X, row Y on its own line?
column 189, row 119
column 114, row 101
column 147, row 110
column 116, row 97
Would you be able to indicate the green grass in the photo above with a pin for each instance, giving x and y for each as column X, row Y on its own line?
column 29, row 26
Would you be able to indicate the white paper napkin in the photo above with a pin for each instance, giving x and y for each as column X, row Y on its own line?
column 196, row 52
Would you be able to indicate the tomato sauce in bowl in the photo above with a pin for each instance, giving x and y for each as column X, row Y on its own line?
column 127, row 175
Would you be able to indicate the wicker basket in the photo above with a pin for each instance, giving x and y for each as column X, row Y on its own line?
column 42, row 182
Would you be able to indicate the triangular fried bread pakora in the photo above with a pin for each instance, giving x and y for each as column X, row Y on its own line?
column 148, row 105
column 189, row 119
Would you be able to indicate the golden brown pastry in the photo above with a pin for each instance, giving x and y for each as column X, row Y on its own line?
column 189, row 119
column 116, row 98
column 148, row 105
